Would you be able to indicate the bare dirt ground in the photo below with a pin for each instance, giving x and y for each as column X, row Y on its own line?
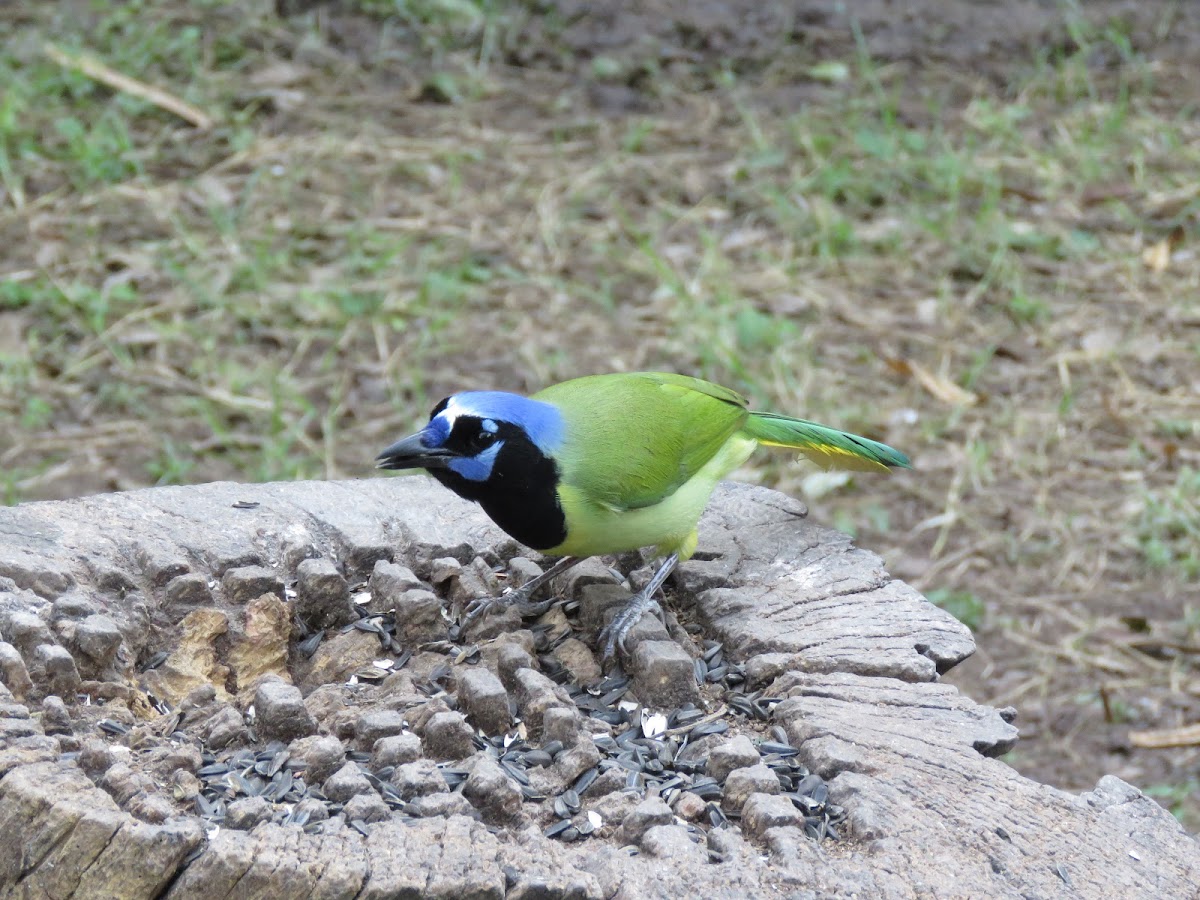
column 964, row 228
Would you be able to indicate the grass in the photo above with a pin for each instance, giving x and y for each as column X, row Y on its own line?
column 1168, row 530
column 430, row 197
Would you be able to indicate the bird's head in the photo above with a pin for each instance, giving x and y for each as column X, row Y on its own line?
column 478, row 437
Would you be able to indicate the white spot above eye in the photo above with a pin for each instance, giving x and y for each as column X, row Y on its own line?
column 489, row 426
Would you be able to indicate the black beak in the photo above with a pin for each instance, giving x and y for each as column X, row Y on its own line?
column 410, row 453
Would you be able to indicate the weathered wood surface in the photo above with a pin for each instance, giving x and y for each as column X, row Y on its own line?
column 855, row 653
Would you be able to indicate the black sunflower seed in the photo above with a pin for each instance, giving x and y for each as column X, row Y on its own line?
column 585, row 781
column 298, row 817
column 537, row 758
column 279, row 786
column 110, row 726
column 813, row 786
column 606, row 744
column 777, row 749
column 309, row 645
column 553, row 747
column 155, row 661
column 569, row 834
column 519, row 776
column 685, row 715
column 571, row 798
column 558, row 828
column 717, row 727
column 706, row 789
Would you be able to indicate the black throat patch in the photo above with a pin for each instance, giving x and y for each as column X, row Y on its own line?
column 520, row 495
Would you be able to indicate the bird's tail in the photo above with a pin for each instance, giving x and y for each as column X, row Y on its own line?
column 827, row 447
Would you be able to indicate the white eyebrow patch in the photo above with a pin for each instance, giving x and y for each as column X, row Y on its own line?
column 489, row 426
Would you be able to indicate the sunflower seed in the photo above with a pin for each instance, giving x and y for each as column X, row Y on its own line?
column 557, row 828
column 309, row 645
column 706, row 789
column 683, row 716
column 585, row 781
column 608, row 716
column 772, row 748
column 814, row 787
column 538, row 758
column 569, row 834
column 155, row 661
column 279, row 786
column 516, row 773
column 298, row 817
column 653, row 724
column 716, row 727
column 110, row 726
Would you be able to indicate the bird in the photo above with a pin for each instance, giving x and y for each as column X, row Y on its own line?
column 603, row 464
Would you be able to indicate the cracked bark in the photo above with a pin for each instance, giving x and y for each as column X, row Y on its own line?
column 855, row 653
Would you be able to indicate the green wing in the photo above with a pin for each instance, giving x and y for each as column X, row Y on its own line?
column 633, row 439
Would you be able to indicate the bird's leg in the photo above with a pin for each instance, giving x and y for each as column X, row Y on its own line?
column 521, row 597
column 627, row 616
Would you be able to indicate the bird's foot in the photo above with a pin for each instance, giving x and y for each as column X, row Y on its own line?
column 614, row 633
column 522, row 597
column 517, row 598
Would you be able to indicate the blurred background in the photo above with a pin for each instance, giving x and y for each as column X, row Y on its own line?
column 252, row 242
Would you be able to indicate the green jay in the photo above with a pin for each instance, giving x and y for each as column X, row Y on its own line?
column 608, row 463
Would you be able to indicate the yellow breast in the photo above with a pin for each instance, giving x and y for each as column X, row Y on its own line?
column 594, row 529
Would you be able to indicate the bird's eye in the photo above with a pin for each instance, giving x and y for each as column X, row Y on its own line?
column 483, row 439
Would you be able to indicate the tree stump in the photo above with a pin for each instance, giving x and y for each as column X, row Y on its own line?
column 140, row 631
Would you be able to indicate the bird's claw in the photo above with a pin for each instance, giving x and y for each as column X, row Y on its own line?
column 517, row 599
column 613, row 635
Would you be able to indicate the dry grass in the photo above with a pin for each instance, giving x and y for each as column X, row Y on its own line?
column 995, row 274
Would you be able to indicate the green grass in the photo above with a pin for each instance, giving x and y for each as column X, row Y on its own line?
column 963, row 605
column 1168, row 529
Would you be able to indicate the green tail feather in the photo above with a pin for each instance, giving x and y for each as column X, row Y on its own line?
column 825, row 446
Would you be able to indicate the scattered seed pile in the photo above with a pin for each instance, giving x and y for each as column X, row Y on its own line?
column 392, row 711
